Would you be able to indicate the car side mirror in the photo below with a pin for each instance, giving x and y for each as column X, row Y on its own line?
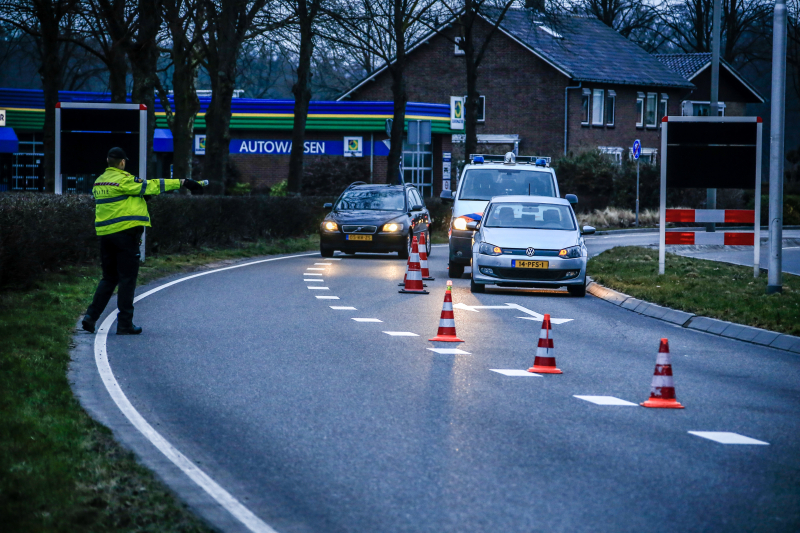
column 571, row 198
column 447, row 196
column 588, row 230
column 417, row 207
column 474, row 225
column 327, row 205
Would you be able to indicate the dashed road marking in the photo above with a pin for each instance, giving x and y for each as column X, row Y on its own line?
column 367, row 320
column 312, row 268
column 343, row 308
column 401, row 334
column 327, row 297
column 320, row 288
column 449, row 351
column 314, row 280
column 726, row 437
column 605, row 400
column 515, row 373
column 334, row 259
column 325, row 264
column 312, row 273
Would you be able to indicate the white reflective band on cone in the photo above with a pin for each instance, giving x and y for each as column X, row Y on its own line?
column 663, row 359
column 414, row 275
column 663, row 382
column 447, row 323
column 447, row 306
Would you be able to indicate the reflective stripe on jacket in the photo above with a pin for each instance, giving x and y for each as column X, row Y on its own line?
column 119, row 200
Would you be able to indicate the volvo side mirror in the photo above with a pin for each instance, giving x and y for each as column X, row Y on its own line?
column 447, row 196
column 571, row 198
column 417, row 207
column 588, row 230
column 327, row 205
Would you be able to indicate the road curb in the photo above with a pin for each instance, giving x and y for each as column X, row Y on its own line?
column 722, row 328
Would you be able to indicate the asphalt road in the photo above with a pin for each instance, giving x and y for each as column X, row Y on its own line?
column 739, row 255
column 317, row 422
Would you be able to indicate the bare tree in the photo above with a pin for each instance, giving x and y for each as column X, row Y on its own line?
column 628, row 17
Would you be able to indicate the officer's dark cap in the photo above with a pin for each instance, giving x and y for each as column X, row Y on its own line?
column 117, row 153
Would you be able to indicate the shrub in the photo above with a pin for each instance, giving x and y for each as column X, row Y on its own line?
column 590, row 175
column 279, row 189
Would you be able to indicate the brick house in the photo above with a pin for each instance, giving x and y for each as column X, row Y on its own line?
column 535, row 73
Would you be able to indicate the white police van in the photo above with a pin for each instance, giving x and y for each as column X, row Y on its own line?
column 485, row 177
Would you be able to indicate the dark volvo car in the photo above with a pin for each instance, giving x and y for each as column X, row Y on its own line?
column 375, row 218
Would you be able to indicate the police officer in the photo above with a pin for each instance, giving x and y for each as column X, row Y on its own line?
column 120, row 218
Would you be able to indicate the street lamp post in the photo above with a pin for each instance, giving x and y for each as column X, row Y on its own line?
column 776, row 156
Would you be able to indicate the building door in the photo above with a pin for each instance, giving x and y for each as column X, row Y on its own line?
column 27, row 168
column 418, row 166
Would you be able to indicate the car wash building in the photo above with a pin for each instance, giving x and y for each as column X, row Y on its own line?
column 260, row 144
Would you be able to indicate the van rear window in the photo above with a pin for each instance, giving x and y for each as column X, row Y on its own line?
column 483, row 184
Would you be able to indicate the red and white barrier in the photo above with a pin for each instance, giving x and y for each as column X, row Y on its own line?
column 701, row 237
column 720, row 216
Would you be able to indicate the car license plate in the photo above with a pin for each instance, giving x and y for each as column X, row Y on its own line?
column 359, row 237
column 528, row 264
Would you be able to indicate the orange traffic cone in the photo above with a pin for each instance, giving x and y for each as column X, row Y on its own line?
column 545, row 362
column 662, row 390
column 423, row 258
column 413, row 280
column 447, row 322
column 408, row 262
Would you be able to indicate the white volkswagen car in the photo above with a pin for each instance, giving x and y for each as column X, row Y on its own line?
column 529, row 241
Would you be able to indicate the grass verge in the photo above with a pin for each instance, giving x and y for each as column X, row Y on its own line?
column 706, row 288
column 59, row 469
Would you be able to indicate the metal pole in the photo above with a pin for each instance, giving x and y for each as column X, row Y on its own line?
column 757, row 214
column 662, row 211
column 776, row 155
column 637, row 193
column 371, row 154
column 713, row 106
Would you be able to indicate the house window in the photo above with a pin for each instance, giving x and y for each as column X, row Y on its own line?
column 613, row 153
column 648, row 155
column 650, row 110
column 611, row 102
column 640, row 110
column 597, row 106
column 481, row 107
column 585, row 106
column 458, row 51
column 691, row 108
column 663, row 107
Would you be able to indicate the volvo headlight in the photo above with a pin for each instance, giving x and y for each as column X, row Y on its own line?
column 393, row 226
column 489, row 249
column 570, row 253
column 330, row 225
column 460, row 223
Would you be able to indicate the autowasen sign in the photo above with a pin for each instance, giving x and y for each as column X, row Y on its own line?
column 284, row 147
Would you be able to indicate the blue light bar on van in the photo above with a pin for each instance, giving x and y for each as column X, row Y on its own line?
column 541, row 162
column 477, row 159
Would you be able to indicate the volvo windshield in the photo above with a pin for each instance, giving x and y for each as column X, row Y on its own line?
column 484, row 183
column 372, row 200
column 530, row 216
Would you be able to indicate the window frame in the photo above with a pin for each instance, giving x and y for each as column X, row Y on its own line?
column 482, row 100
column 601, row 93
column 614, row 151
column 586, row 115
column 611, row 107
column 652, row 97
column 457, row 51
column 640, row 110
column 664, row 100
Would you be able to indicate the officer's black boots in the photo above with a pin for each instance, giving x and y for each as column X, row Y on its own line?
column 88, row 324
column 128, row 330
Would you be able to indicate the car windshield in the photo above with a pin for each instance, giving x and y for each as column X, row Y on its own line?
column 484, row 183
column 529, row 215
column 372, row 200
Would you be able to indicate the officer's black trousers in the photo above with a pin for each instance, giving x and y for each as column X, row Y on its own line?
column 119, row 254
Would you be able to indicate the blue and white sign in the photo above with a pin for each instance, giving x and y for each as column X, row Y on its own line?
column 284, row 147
column 637, row 149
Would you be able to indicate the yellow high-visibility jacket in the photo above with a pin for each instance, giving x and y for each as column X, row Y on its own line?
column 119, row 200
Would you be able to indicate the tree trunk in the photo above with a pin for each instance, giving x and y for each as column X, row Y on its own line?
column 302, row 97
column 218, row 117
column 186, row 107
column 471, row 105
column 51, row 74
column 399, row 93
column 117, row 74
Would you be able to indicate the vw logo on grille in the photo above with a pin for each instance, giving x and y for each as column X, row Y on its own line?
column 529, row 252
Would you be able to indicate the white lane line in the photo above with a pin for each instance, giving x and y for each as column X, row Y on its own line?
column 515, row 373
column 367, row 320
column 211, row 487
column 334, row 259
column 312, row 273
column 726, row 437
column 327, row 297
column 343, row 308
column 319, row 288
column 314, row 280
column 323, row 264
column 401, row 334
column 312, row 268
column 604, row 400
column 449, row 351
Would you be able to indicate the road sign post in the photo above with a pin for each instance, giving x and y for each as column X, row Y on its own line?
column 637, row 151
column 776, row 154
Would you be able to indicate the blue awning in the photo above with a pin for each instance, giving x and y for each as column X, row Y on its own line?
column 8, row 141
column 162, row 140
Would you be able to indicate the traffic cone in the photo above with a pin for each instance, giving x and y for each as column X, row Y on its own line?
column 545, row 362
column 408, row 262
column 413, row 279
column 447, row 322
column 662, row 390
column 423, row 258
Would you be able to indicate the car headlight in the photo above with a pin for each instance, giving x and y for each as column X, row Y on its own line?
column 460, row 223
column 570, row 253
column 330, row 225
column 393, row 226
column 489, row 249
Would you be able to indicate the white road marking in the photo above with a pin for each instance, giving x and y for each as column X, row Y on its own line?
column 334, row 259
column 327, row 264
column 319, row 288
column 726, row 437
column 312, row 268
column 211, row 487
column 312, row 273
column 327, row 297
column 343, row 308
column 367, row 320
column 534, row 314
column 515, row 373
column 449, row 351
column 553, row 320
column 604, row 400
column 401, row 334
column 314, row 280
